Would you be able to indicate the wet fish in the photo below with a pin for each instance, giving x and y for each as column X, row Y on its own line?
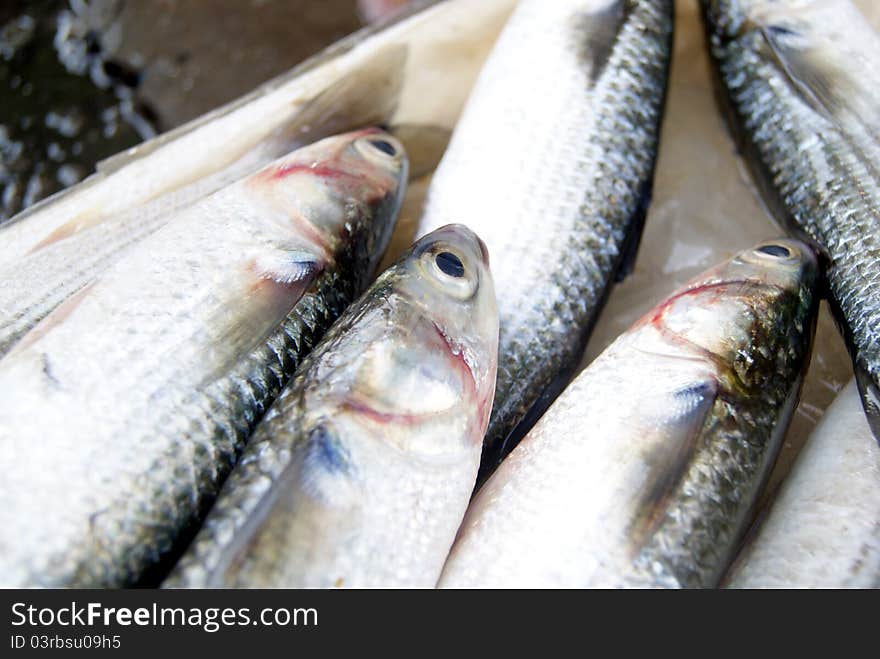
column 643, row 472
column 361, row 473
column 800, row 84
column 123, row 410
column 552, row 165
column 390, row 75
column 823, row 529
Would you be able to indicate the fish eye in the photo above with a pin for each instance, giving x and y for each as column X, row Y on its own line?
column 382, row 150
column 384, row 146
column 450, row 264
column 772, row 249
column 446, row 268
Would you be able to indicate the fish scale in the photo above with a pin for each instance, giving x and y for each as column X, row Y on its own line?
column 145, row 391
column 644, row 471
column 55, row 248
column 809, row 126
column 380, row 504
column 822, row 529
column 551, row 168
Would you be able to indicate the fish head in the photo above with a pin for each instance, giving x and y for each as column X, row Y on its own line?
column 336, row 187
column 428, row 378
column 763, row 300
column 450, row 280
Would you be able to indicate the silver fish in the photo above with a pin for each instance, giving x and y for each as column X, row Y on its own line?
column 644, row 471
column 390, row 75
column 362, row 470
column 823, row 529
column 123, row 411
column 552, row 165
column 800, row 81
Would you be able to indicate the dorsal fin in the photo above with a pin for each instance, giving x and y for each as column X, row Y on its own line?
column 598, row 32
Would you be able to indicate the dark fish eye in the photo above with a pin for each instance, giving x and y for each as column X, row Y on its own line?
column 775, row 250
column 450, row 264
column 384, row 146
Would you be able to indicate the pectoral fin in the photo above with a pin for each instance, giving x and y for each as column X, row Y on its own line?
column 668, row 453
column 835, row 92
column 815, row 72
column 811, row 76
column 277, row 282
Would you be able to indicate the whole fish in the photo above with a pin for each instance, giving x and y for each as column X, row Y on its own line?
column 123, row 411
column 361, row 472
column 823, row 529
column 390, row 75
column 552, row 165
column 644, row 471
column 800, row 80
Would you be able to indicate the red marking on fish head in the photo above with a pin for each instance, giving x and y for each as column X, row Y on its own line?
column 656, row 315
column 323, row 159
column 316, row 169
column 484, row 395
column 362, row 409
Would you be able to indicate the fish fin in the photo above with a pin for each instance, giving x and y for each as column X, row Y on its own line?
column 870, row 395
column 832, row 92
column 367, row 96
column 54, row 318
column 317, row 474
column 287, row 266
column 668, row 457
column 630, row 249
column 328, row 469
column 424, row 144
column 64, row 231
column 812, row 77
column 280, row 279
column 597, row 33
column 828, row 88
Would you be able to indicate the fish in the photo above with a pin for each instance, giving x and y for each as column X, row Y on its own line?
column 823, row 528
column 124, row 410
column 798, row 83
column 552, row 164
column 390, row 74
column 644, row 472
column 360, row 474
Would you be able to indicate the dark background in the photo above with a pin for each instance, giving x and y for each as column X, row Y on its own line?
column 81, row 80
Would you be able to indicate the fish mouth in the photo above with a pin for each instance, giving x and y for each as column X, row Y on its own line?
column 484, row 396
column 363, row 408
column 458, row 355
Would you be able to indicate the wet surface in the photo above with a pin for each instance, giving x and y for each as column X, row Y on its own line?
column 65, row 104
column 82, row 80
